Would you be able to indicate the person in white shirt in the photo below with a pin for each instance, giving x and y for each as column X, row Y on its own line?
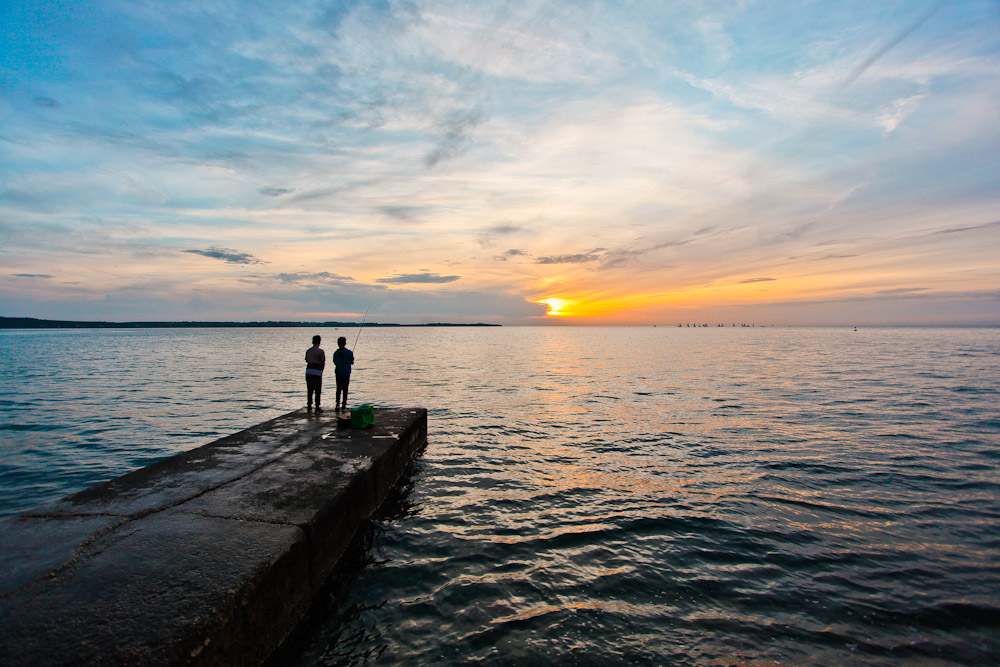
column 315, row 362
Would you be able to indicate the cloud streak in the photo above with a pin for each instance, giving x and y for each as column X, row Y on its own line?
column 578, row 258
column 227, row 255
column 903, row 34
column 322, row 277
column 418, row 278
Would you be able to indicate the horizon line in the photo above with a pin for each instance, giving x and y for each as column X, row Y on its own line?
column 9, row 322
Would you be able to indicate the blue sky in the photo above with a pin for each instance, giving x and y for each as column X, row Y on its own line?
column 602, row 162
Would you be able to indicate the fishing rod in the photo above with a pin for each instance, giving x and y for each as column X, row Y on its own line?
column 362, row 325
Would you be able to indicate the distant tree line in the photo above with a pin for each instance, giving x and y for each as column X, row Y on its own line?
column 34, row 323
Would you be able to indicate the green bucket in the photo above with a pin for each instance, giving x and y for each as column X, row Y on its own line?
column 362, row 416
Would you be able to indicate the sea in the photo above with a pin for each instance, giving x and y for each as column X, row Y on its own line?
column 590, row 495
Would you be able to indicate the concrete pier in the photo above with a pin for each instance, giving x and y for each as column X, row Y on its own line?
column 209, row 557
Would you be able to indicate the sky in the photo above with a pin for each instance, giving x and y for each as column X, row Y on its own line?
column 531, row 162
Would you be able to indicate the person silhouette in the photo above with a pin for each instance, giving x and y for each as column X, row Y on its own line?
column 343, row 359
column 315, row 362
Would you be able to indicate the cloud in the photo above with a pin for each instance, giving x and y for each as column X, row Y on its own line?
column 513, row 252
column 458, row 306
column 971, row 228
column 32, row 275
column 455, row 136
column 412, row 278
column 269, row 299
column 581, row 258
column 228, row 255
column 620, row 258
column 322, row 277
column 548, row 43
column 405, row 213
column 979, row 307
column 487, row 237
column 830, row 256
column 275, row 192
column 900, row 36
column 504, row 228
column 755, row 280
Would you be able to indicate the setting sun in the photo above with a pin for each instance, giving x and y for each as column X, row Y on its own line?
column 555, row 306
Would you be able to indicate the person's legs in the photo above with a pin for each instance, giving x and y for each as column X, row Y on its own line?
column 342, row 383
column 314, row 385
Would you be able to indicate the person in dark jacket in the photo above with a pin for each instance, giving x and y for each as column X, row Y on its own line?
column 343, row 359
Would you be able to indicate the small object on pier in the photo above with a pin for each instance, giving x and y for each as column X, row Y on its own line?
column 363, row 416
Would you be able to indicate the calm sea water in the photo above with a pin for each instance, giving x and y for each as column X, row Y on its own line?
column 592, row 495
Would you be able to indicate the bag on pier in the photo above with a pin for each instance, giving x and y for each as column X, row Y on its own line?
column 363, row 416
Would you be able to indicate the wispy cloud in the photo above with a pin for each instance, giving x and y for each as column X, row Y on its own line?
column 505, row 228
column 513, row 252
column 455, row 136
column 323, row 277
column 405, row 213
column 899, row 37
column 417, row 278
column 972, row 228
column 275, row 192
column 227, row 255
column 579, row 258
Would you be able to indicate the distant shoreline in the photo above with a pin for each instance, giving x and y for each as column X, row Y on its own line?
column 34, row 323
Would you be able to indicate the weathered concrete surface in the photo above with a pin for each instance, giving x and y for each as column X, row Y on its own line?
column 209, row 557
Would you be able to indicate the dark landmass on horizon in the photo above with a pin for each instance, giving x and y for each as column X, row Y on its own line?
column 33, row 323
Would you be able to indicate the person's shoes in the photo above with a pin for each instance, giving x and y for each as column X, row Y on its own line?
column 319, row 409
column 309, row 408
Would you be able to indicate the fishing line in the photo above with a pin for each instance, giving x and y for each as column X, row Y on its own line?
column 362, row 325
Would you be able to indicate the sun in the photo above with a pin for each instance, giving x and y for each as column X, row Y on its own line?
column 555, row 305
